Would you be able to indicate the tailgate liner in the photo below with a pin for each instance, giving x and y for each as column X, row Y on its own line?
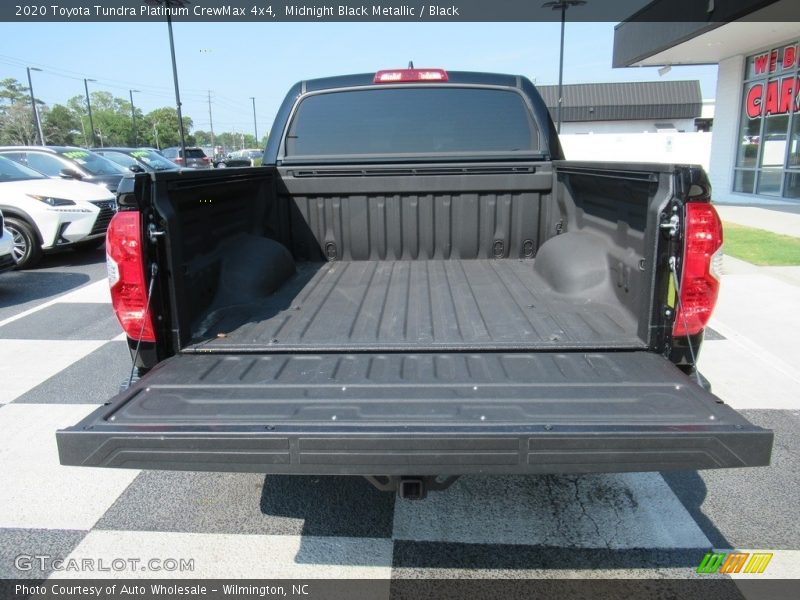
column 416, row 414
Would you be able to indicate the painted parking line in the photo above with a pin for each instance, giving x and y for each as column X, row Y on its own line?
column 25, row 364
column 38, row 492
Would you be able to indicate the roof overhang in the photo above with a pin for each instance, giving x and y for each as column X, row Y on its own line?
column 753, row 24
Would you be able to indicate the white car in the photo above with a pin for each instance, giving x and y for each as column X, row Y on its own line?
column 6, row 247
column 44, row 213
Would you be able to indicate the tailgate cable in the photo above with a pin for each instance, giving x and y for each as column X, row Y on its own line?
column 153, row 273
column 674, row 270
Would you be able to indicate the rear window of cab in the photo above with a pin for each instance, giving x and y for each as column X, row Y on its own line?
column 408, row 120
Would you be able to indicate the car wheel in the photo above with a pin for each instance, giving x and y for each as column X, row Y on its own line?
column 221, row 165
column 26, row 250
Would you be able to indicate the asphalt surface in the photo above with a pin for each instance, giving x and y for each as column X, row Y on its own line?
column 61, row 355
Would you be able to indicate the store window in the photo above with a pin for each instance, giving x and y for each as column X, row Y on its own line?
column 768, row 152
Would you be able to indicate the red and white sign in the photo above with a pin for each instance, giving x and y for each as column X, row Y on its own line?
column 778, row 96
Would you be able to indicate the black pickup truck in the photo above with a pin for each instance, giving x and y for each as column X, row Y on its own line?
column 414, row 286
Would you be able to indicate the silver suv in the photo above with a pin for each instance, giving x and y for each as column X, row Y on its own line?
column 195, row 157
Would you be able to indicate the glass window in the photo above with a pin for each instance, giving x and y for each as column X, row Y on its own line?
column 45, row 163
column 768, row 143
column 16, row 157
column 794, row 141
column 121, row 159
column 412, row 120
column 769, row 181
column 750, row 130
column 154, row 160
column 793, row 184
column 743, row 181
column 92, row 163
column 12, row 171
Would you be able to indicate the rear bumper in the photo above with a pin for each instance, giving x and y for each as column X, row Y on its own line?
column 422, row 414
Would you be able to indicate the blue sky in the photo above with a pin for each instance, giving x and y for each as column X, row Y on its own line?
column 239, row 60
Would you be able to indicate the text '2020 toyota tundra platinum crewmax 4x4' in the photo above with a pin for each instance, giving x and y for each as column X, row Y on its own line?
column 414, row 286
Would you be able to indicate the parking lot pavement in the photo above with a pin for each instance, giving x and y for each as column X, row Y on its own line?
column 61, row 355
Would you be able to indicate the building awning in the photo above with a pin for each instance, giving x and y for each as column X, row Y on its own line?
column 625, row 101
column 702, row 36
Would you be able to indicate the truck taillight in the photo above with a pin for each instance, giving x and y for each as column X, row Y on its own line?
column 125, row 264
column 702, row 256
column 409, row 75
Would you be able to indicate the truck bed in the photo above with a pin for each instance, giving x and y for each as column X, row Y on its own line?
column 470, row 305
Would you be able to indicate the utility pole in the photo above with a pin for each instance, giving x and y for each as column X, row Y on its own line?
column 177, row 89
column 561, row 5
column 211, row 123
column 133, row 118
column 36, row 121
column 255, row 126
column 89, row 108
column 155, row 135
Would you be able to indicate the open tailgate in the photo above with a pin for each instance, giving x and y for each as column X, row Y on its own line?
column 416, row 414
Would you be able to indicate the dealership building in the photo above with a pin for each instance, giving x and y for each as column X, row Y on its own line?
column 755, row 148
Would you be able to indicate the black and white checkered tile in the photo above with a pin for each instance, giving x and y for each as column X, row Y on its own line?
column 63, row 355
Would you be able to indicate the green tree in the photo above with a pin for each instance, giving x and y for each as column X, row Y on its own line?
column 165, row 121
column 62, row 126
column 203, row 138
column 11, row 92
column 16, row 125
column 112, row 121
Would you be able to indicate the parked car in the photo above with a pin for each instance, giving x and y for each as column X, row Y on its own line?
column 417, row 285
column 137, row 159
column 68, row 162
column 232, row 160
column 195, row 157
column 43, row 213
column 6, row 247
column 254, row 155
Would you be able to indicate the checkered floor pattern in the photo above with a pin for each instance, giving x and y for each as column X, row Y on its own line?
column 61, row 356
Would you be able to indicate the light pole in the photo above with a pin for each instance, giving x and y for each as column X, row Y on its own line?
column 89, row 108
column 211, row 124
column 36, row 122
column 168, row 5
column 561, row 5
column 255, row 126
column 133, row 117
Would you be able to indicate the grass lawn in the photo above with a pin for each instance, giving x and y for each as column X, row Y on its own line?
column 760, row 247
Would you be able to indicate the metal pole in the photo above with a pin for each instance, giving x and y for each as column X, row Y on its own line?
column 177, row 90
column 211, row 123
column 255, row 126
column 561, row 67
column 36, row 122
column 89, row 109
column 133, row 119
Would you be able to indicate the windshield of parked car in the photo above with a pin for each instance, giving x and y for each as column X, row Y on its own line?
column 11, row 171
column 92, row 163
column 154, row 160
column 413, row 121
column 121, row 159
